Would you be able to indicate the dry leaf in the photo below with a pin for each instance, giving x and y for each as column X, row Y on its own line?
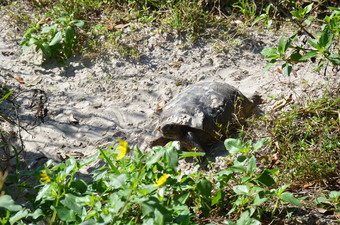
column 160, row 105
column 279, row 70
column 121, row 26
column 19, row 79
column 282, row 103
column 309, row 184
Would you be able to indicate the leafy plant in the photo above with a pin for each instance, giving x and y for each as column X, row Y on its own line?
column 249, row 188
column 247, row 8
column 56, row 41
column 322, row 46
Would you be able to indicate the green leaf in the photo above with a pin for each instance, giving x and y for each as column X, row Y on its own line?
column 204, row 187
column 117, row 180
column 36, row 214
column 246, row 219
column 321, row 200
column 252, row 165
column 172, row 158
column 289, row 197
column 281, row 46
column 190, row 154
column 289, row 42
column 295, row 57
column 216, row 198
column 270, row 53
column 260, row 17
column 182, row 198
column 308, row 8
column 259, row 144
column 72, row 202
column 334, row 195
column 287, row 68
column 239, row 168
column 313, row 43
column 233, row 145
column 69, row 36
column 241, row 189
column 56, row 39
column 102, row 152
column 265, row 179
column 45, row 48
column 48, row 29
column 325, row 40
column 334, row 58
column 8, row 203
column 65, row 214
column 79, row 185
column 150, row 204
column 268, row 66
column 258, row 200
column 309, row 55
column 18, row 216
column 78, row 23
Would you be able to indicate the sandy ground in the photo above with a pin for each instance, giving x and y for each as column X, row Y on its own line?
column 112, row 97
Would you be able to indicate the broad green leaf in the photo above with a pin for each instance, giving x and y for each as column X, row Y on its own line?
column 172, row 158
column 117, row 180
column 233, row 145
column 36, row 214
column 48, row 29
column 204, row 187
column 313, row 43
column 287, row 68
column 72, row 202
column 289, row 42
column 260, row 17
column 334, row 58
column 78, row 23
column 246, row 219
column 259, row 144
column 239, row 168
column 18, row 216
column 8, row 203
column 66, row 214
column 241, row 189
column 258, row 200
column 61, row 20
column 265, row 179
column 46, row 192
column 69, row 36
column 325, row 40
column 296, row 57
column 216, row 199
column 45, row 48
column 155, row 158
column 251, row 165
column 281, row 46
column 321, row 199
column 182, row 198
column 295, row 13
column 334, row 195
column 150, row 204
column 289, row 197
column 309, row 55
column 308, row 8
column 79, row 186
column 56, row 39
column 270, row 53
column 281, row 189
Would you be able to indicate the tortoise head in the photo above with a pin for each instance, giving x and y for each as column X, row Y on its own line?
column 256, row 99
column 173, row 131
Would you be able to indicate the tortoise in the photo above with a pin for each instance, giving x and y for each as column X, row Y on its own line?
column 200, row 116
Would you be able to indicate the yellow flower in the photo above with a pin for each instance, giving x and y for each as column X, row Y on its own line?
column 161, row 180
column 44, row 177
column 122, row 148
